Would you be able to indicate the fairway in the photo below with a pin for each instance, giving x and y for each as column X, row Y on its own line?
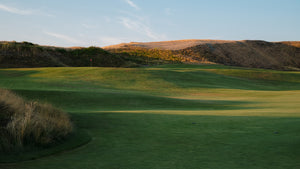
column 169, row 116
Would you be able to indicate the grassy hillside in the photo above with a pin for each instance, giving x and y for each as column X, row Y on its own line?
column 25, row 54
column 170, row 116
column 143, row 56
column 168, row 45
column 292, row 43
column 253, row 54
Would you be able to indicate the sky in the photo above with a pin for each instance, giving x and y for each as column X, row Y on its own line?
column 69, row 23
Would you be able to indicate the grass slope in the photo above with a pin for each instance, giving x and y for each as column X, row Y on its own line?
column 170, row 116
column 25, row 54
column 248, row 53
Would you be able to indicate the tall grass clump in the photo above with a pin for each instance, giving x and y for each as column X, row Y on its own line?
column 24, row 123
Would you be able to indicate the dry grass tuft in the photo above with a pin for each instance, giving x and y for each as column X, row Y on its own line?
column 30, row 123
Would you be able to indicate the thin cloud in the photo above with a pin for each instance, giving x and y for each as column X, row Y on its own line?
column 168, row 11
column 132, row 15
column 64, row 37
column 104, row 41
column 107, row 19
column 15, row 10
column 88, row 26
column 140, row 27
column 132, row 4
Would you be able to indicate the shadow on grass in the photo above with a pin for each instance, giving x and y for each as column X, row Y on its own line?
column 129, row 140
column 77, row 139
column 198, row 141
column 204, row 79
column 16, row 73
column 114, row 100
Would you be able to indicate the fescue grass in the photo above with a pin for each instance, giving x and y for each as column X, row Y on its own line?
column 26, row 123
column 170, row 116
column 25, row 54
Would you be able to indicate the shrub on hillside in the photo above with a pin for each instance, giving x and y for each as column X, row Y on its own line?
column 26, row 54
column 99, row 57
column 30, row 123
column 147, row 56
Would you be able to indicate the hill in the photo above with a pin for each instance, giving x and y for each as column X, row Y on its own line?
column 167, row 45
column 25, row 54
column 248, row 53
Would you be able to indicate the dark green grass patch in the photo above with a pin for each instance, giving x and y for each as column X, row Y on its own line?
column 78, row 138
column 202, row 79
column 176, row 141
column 117, row 100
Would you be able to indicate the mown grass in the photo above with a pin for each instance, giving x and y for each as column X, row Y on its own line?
column 170, row 116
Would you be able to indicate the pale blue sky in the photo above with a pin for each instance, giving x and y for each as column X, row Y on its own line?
column 105, row 22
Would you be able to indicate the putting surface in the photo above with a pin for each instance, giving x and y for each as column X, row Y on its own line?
column 171, row 116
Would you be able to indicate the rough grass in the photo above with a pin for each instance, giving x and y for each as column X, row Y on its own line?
column 25, row 54
column 26, row 123
column 170, row 116
column 253, row 54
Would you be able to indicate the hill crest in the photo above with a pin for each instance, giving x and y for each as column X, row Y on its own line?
column 246, row 53
column 169, row 45
column 186, row 43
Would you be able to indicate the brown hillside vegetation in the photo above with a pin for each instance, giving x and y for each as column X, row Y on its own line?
column 254, row 54
column 292, row 43
column 25, row 54
column 167, row 45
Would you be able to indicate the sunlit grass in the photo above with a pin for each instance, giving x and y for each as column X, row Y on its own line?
column 170, row 116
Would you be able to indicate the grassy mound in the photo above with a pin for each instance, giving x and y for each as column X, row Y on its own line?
column 25, row 54
column 24, row 124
